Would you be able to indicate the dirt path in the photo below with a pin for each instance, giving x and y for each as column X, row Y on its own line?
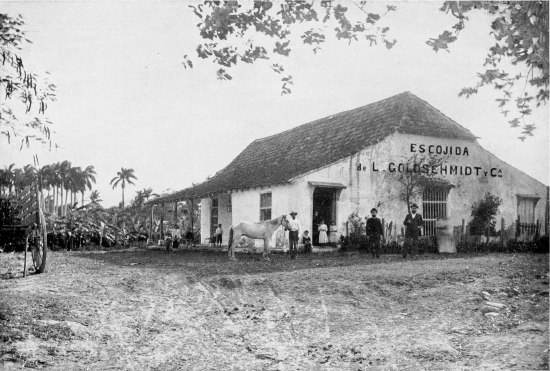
column 193, row 311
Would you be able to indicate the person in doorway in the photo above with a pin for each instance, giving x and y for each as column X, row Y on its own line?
column 189, row 238
column 219, row 234
column 176, row 236
column 413, row 223
column 333, row 235
column 306, row 240
column 316, row 222
column 323, row 238
column 375, row 233
column 294, row 231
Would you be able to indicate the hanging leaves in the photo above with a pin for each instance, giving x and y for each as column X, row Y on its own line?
column 226, row 24
column 27, row 86
column 521, row 33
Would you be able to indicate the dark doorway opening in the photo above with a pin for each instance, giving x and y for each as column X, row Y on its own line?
column 324, row 209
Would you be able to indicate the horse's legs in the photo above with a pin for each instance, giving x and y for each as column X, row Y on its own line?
column 231, row 249
column 266, row 248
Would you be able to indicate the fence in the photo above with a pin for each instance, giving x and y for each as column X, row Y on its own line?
column 525, row 232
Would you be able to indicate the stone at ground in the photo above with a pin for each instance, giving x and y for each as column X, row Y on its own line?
column 488, row 309
column 496, row 305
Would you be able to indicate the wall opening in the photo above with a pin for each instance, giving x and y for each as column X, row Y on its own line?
column 324, row 209
column 214, row 217
column 526, row 208
column 434, row 206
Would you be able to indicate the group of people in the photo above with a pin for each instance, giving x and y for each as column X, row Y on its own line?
column 375, row 233
column 175, row 237
column 413, row 225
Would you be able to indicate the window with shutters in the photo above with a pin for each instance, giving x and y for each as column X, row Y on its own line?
column 526, row 208
column 434, row 206
column 214, row 217
column 265, row 206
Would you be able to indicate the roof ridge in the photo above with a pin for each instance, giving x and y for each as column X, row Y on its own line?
column 414, row 96
column 276, row 158
column 336, row 114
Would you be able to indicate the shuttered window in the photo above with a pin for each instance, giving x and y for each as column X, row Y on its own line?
column 434, row 206
column 265, row 206
column 526, row 209
column 214, row 217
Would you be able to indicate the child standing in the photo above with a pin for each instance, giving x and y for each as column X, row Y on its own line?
column 219, row 234
column 306, row 240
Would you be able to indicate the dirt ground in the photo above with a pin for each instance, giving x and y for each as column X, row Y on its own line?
column 197, row 310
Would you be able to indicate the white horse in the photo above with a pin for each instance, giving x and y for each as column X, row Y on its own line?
column 262, row 230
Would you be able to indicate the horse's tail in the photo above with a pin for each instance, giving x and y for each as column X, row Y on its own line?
column 230, row 237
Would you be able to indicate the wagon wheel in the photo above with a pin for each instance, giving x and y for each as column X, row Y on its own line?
column 38, row 244
column 39, row 240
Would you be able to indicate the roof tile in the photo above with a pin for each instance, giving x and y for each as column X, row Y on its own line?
column 278, row 158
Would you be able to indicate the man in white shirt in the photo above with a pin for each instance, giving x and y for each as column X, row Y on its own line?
column 294, row 228
column 176, row 236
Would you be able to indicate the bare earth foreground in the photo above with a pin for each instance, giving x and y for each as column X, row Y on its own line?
column 196, row 310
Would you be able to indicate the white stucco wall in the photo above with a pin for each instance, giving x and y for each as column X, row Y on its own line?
column 367, row 188
column 206, row 204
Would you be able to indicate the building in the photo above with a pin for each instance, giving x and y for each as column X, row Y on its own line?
column 352, row 161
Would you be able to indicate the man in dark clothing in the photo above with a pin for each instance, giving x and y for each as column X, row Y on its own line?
column 413, row 223
column 375, row 233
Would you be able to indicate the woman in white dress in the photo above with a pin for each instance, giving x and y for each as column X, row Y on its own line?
column 333, row 236
column 323, row 232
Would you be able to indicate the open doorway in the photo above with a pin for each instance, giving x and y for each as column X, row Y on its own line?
column 324, row 209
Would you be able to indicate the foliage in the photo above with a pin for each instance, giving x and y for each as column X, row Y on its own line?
column 520, row 30
column 259, row 31
column 417, row 176
column 538, row 245
column 235, row 33
column 23, row 86
column 61, row 178
column 483, row 213
column 123, row 176
column 9, row 210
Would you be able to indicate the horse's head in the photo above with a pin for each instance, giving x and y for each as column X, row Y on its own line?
column 284, row 222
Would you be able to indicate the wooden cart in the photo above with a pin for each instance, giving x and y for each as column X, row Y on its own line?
column 30, row 228
column 36, row 235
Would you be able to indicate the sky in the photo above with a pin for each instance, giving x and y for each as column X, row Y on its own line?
column 124, row 98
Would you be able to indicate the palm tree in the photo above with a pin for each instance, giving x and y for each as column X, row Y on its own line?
column 88, row 176
column 95, row 198
column 76, row 182
column 9, row 177
column 3, row 182
column 56, row 182
column 44, row 175
column 63, row 172
column 123, row 176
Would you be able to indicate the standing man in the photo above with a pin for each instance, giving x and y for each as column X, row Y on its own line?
column 375, row 233
column 176, row 236
column 219, row 234
column 413, row 223
column 294, row 228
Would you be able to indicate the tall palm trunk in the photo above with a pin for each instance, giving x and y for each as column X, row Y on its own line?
column 123, row 195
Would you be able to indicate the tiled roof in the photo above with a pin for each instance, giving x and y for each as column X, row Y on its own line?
column 281, row 157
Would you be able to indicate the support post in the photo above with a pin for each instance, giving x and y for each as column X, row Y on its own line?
column 462, row 231
column 192, row 212
column 501, row 232
column 25, row 261
column 151, row 222
column 176, row 212
column 162, row 222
